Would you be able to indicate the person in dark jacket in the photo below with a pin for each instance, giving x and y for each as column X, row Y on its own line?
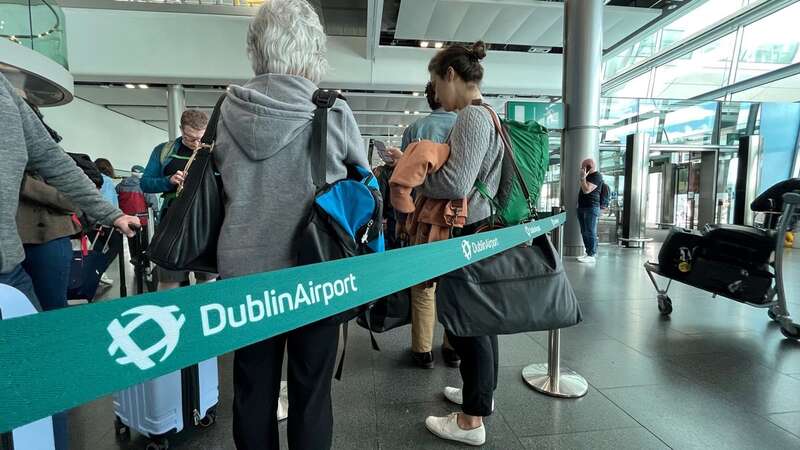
column 263, row 152
column 165, row 172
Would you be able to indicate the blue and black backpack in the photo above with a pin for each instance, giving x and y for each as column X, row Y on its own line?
column 346, row 217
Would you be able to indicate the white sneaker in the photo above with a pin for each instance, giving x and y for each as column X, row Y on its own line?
column 104, row 279
column 587, row 259
column 283, row 402
column 447, row 428
column 456, row 396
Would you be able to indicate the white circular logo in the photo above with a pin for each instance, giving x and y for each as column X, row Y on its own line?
column 467, row 249
column 134, row 354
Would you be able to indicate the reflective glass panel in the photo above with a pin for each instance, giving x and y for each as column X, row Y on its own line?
column 770, row 43
column 700, row 71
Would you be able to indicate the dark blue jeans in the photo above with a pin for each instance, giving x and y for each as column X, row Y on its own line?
column 587, row 219
column 48, row 265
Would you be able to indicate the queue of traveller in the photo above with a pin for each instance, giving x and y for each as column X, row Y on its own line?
column 265, row 165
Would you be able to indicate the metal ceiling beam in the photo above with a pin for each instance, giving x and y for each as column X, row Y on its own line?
column 222, row 10
column 769, row 77
column 374, row 17
column 650, row 28
column 706, row 36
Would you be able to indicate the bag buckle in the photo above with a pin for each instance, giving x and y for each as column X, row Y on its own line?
column 324, row 98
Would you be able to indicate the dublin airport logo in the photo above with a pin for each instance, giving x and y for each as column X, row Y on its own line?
column 163, row 316
column 467, row 249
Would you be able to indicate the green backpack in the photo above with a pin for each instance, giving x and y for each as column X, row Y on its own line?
column 527, row 148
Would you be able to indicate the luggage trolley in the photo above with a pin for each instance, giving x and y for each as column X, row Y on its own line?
column 775, row 298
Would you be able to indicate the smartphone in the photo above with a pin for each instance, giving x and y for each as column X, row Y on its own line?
column 380, row 147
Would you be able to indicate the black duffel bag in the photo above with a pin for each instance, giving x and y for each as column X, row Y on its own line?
column 521, row 289
column 388, row 313
column 186, row 237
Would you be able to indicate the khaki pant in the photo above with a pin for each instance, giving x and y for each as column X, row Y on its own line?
column 423, row 319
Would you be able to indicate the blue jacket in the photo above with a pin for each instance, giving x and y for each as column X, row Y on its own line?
column 153, row 179
column 434, row 127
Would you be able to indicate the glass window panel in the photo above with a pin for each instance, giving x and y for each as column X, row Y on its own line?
column 770, row 43
column 733, row 122
column 632, row 55
column 635, row 88
column 701, row 17
column 783, row 90
column 702, row 70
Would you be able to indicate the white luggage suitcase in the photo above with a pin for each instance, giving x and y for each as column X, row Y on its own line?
column 168, row 404
column 36, row 435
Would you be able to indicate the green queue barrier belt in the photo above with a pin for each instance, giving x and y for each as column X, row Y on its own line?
column 57, row 360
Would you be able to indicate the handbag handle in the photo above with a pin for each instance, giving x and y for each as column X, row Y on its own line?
column 507, row 148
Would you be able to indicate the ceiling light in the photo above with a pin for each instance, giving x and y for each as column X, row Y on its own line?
column 438, row 45
column 424, row 44
column 130, row 86
column 406, row 112
column 416, row 113
column 415, row 94
column 143, row 86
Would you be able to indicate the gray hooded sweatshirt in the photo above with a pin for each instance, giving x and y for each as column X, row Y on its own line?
column 263, row 153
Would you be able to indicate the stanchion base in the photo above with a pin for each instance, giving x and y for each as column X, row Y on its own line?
column 570, row 384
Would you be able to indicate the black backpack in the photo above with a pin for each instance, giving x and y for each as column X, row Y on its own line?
column 605, row 195
column 88, row 167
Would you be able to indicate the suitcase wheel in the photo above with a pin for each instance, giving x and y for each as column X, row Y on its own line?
column 123, row 432
column 664, row 305
column 791, row 332
column 209, row 419
column 772, row 314
column 157, row 444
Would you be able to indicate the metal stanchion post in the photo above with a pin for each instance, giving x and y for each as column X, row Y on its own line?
column 550, row 378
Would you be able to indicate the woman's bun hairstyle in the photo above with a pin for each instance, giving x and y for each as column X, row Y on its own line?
column 465, row 61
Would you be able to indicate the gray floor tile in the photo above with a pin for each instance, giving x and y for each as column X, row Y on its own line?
column 402, row 426
column 621, row 439
column 608, row 363
column 530, row 413
column 520, row 350
column 788, row 421
column 689, row 416
column 749, row 384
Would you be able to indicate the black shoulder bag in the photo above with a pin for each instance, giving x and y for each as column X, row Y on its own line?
column 186, row 238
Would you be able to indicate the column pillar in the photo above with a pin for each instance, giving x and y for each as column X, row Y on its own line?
column 582, row 74
column 176, row 103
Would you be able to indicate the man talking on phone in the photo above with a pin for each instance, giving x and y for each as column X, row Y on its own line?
column 589, row 208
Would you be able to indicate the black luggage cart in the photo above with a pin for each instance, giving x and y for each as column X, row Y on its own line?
column 775, row 301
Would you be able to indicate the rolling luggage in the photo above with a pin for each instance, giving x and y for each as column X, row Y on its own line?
column 36, row 435
column 676, row 255
column 169, row 404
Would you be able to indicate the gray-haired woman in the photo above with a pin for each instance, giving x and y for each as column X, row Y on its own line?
column 264, row 155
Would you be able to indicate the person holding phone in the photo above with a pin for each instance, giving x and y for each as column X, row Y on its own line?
column 589, row 208
column 165, row 171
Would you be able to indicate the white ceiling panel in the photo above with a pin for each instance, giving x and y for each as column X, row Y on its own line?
column 519, row 22
column 103, row 95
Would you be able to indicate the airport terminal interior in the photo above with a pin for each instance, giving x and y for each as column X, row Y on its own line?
column 690, row 110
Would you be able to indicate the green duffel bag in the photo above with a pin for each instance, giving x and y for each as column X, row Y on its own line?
column 527, row 156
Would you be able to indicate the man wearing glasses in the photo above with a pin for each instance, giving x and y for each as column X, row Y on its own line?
column 165, row 172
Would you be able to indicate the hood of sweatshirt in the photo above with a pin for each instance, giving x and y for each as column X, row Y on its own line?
column 268, row 113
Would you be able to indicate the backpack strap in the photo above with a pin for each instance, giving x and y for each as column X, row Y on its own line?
column 509, row 153
column 324, row 100
column 166, row 150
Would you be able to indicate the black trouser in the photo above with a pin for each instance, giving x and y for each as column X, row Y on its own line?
column 257, row 378
column 479, row 364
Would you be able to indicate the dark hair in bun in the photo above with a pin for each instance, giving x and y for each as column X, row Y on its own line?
column 465, row 61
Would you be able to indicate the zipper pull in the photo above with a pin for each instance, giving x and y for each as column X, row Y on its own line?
column 365, row 238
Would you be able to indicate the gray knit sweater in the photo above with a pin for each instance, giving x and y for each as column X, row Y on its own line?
column 476, row 153
column 25, row 143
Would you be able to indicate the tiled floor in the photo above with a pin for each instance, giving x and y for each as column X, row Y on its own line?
column 716, row 374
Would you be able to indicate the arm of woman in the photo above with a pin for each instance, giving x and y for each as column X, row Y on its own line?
column 469, row 142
